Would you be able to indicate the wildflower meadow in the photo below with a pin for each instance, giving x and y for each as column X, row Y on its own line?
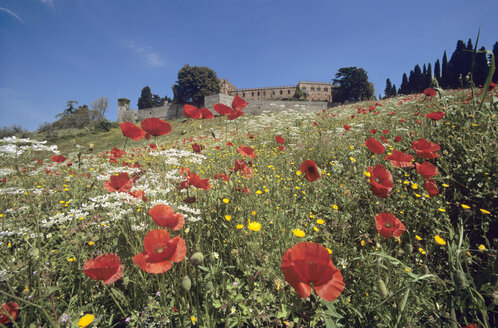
column 374, row 214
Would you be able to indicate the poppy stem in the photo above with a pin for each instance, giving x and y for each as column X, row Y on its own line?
column 124, row 146
column 115, row 301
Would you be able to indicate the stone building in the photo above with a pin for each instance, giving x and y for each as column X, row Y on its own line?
column 314, row 91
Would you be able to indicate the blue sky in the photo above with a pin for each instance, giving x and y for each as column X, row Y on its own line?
column 52, row 51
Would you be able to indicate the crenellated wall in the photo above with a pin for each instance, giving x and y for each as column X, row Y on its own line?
column 171, row 111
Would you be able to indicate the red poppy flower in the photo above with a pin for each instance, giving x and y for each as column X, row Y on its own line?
column 425, row 149
column 155, row 126
column 400, row 159
column 160, row 251
column 222, row 109
column 247, row 151
column 235, row 114
column 119, row 183
column 191, row 112
column 189, row 200
column 105, row 267
column 347, row 127
column 384, row 139
column 427, row 169
column 310, row 170
column 429, row 92
column 131, row 131
column 431, row 187
column 375, row 146
column 242, row 167
column 373, row 131
column 473, row 325
column 139, row 194
column 397, row 139
column 117, row 152
column 195, row 180
column 12, row 308
column 239, row 103
column 279, row 139
column 402, row 120
column 164, row 216
column 385, row 131
column 222, row 176
column 281, row 148
column 388, row 225
column 197, row 148
column 381, row 181
column 230, row 144
column 153, row 146
column 58, row 158
column 436, row 116
column 206, row 113
column 492, row 86
column 307, row 263
column 244, row 190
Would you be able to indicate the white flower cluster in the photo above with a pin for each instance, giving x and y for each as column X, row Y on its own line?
column 14, row 146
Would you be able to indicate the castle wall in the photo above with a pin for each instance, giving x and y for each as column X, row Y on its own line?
column 172, row 111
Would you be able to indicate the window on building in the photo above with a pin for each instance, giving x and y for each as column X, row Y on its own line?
column 264, row 93
column 318, row 89
column 273, row 92
column 325, row 89
column 312, row 88
column 280, row 92
column 243, row 94
column 252, row 94
column 288, row 92
column 258, row 93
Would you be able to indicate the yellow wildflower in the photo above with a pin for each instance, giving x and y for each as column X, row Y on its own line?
column 418, row 237
column 240, row 226
column 421, row 250
column 483, row 211
column 439, row 240
column 298, row 233
column 482, row 248
column 465, row 206
column 320, row 221
column 335, row 207
column 225, row 200
column 254, row 226
column 86, row 320
column 228, row 217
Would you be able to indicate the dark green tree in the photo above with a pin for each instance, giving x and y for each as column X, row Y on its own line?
column 353, row 85
column 459, row 65
column 437, row 71
column 299, row 94
column 418, row 79
column 394, row 90
column 411, row 82
column 444, row 71
column 145, row 100
column 428, row 77
column 388, row 89
column 403, row 89
column 495, row 53
column 157, row 101
column 480, row 67
column 194, row 83
column 69, row 107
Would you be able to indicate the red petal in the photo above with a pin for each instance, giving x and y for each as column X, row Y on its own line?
column 239, row 103
column 155, row 126
column 131, row 131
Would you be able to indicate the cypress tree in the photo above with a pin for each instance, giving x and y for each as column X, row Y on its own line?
column 495, row 53
column 403, row 89
column 444, row 73
column 480, row 67
column 428, row 76
column 459, row 65
column 145, row 100
column 388, row 89
column 393, row 90
column 437, row 71
column 418, row 79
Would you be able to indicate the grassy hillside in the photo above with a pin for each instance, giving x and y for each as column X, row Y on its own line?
column 234, row 257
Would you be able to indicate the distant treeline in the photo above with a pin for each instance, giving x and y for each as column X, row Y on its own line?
column 449, row 74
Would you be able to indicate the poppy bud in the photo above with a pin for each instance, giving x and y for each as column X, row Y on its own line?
column 381, row 288
column 460, row 279
column 209, row 286
column 186, row 283
column 197, row 258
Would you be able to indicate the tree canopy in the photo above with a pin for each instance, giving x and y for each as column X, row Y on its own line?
column 353, row 85
column 194, row 83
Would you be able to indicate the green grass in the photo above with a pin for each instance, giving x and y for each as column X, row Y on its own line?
column 55, row 217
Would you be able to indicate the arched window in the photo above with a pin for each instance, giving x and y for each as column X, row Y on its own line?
column 288, row 92
column 243, row 94
column 280, row 92
column 252, row 94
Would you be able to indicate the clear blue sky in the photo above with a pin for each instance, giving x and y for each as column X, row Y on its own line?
column 52, row 51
